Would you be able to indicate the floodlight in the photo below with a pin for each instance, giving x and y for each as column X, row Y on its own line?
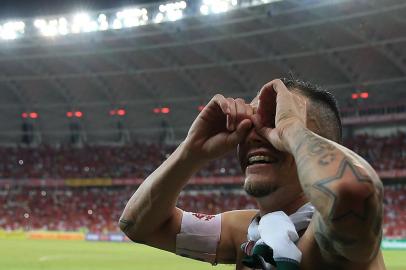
column 11, row 30
column 217, row 6
column 63, row 26
column 82, row 23
column 171, row 11
column 39, row 23
column 159, row 18
column 103, row 23
column 117, row 24
column 204, row 9
column 132, row 17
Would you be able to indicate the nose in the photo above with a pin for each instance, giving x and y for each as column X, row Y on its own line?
column 254, row 138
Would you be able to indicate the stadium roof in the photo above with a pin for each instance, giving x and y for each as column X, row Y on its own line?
column 346, row 46
column 11, row 9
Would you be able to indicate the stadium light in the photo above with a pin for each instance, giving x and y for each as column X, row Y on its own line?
column 129, row 17
column 78, row 114
column 132, row 17
column 103, row 23
column 121, row 112
column 170, row 11
column 165, row 110
column 117, row 24
column 33, row 115
column 364, row 95
column 83, row 23
column 12, row 30
column 118, row 112
column 63, row 26
column 217, row 6
column 52, row 27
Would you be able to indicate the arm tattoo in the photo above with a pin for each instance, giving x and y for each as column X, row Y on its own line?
column 317, row 147
column 346, row 192
column 361, row 184
column 127, row 224
column 332, row 242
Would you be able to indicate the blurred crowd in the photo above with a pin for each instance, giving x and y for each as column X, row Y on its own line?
column 132, row 161
column 97, row 209
column 383, row 153
column 395, row 210
column 140, row 159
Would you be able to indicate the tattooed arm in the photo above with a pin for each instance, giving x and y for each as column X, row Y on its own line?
column 345, row 190
column 343, row 187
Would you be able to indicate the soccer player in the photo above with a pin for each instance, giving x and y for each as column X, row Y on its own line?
column 289, row 149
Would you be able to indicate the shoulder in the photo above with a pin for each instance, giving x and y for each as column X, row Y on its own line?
column 234, row 226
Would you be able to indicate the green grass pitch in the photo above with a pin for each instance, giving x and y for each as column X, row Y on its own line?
column 77, row 255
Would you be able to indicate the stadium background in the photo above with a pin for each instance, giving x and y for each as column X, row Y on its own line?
column 93, row 101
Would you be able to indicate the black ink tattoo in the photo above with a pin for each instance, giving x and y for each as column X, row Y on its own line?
column 343, row 240
column 362, row 183
column 318, row 147
column 324, row 242
column 326, row 159
column 126, row 224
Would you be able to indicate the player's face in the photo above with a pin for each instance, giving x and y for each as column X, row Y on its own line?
column 265, row 168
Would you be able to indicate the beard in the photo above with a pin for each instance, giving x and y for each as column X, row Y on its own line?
column 258, row 190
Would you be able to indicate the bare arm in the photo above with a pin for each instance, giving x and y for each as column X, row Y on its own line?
column 151, row 216
column 345, row 190
column 343, row 187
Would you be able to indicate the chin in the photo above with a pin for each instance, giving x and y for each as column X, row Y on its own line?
column 258, row 187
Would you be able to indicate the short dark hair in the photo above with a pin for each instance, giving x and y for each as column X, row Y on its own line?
column 325, row 104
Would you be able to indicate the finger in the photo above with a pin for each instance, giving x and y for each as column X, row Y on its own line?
column 240, row 133
column 279, row 86
column 267, row 104
column 257, row 121
column 249, row 110
column 221, row 101
column 275, row 138
column 233, row 114
column 241, row 110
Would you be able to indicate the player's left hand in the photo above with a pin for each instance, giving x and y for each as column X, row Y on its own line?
column 278, row 111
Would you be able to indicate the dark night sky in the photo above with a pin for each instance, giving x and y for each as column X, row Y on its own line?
column 10, row 9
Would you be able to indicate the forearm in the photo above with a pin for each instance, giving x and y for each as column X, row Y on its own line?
column 342, row 186
column 153, row 204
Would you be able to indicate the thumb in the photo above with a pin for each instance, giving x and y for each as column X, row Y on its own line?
column 240, row 133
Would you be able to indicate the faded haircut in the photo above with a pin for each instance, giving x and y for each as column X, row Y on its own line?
column 324, row 104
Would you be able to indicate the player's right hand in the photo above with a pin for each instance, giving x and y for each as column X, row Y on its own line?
column 220, row 126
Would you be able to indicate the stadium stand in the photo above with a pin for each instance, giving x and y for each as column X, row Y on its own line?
column 97, row 209
column 140, row 159
column 93, row 102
